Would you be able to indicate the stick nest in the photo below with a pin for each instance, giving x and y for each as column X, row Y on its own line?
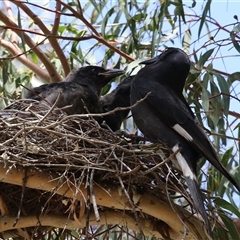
column 76, row 151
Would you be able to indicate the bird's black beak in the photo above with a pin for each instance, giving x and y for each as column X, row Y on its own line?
column 111, row 73
column 150, row 61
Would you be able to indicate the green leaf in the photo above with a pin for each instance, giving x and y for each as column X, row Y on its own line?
column 195, row 56
column 234, row 41
column 204, row 15
column 105, row 20
column 186, row 41
column 226, row 156
column 205, row 57
column 62, row 28
column 5, row 77
column 239, row 136
column 134, row 65
column 222, row 130
column 205, row 100
column 236, row 28
column 81, row 33
column 224, row 87
column 21, row 32
column 233, row 77
column 106, row 89
column 215, row 103
column 226, row 205
column 72, row 29
column 139, row 16
column 228, row 222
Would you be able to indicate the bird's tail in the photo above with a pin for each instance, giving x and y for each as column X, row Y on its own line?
column 188, row 167
column 198, row 201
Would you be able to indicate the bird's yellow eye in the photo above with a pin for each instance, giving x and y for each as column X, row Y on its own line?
column 165, row 49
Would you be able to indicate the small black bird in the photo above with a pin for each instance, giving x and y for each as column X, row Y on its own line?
column 119, row 97
column 165, row 116
column 81, row 90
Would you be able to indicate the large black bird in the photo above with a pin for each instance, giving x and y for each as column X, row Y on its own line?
column 80, row 90
column 119, row 97
column 166, row 117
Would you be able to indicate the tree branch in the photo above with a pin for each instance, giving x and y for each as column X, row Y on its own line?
column 14, row 37
column 55, row 77
column 44, row 29
column 96, row 35
column 16, row 52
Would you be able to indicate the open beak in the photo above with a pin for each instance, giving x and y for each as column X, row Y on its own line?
column 111, row 73
column 150, row 61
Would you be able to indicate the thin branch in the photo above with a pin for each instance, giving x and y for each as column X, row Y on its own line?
column 17, row 53
column 96, row 35
column 55, row 45
column 51, row 109
column 86, row 37
column 162, row 163
column 14, row 37
column 55, row 77
column 56, row 19
column 130, row 201
column 47, row 9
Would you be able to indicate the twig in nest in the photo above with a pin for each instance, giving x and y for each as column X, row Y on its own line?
column 22, row 196
column 163, row 162
column 94, row 202
column 121, row 162
column 133, row 138
column 87, row 204
column 131, row 171
column 130, row 201
column 51, row 109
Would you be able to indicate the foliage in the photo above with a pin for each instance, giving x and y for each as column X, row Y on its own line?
column 43, row 42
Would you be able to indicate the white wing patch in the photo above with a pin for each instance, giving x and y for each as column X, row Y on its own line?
column 182, row 132
column 187, row 172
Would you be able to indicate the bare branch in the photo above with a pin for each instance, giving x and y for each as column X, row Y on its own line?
column 55, row 45
column 96, row 35
column 17, row 53
column 7, row 4
column 55, row 77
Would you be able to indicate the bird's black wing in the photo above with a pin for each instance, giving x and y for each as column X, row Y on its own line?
column 174, row 113
column 41, row 92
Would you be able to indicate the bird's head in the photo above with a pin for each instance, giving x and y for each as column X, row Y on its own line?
column 96, row 75
column 174, row 56
column 106, row 75
column 172, row 65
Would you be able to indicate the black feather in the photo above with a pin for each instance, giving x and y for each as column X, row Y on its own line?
column 119, row 97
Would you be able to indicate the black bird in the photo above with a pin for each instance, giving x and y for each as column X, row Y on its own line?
column 81, row 90
column 119, row 97
column 166, row 117
column 180, row 64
